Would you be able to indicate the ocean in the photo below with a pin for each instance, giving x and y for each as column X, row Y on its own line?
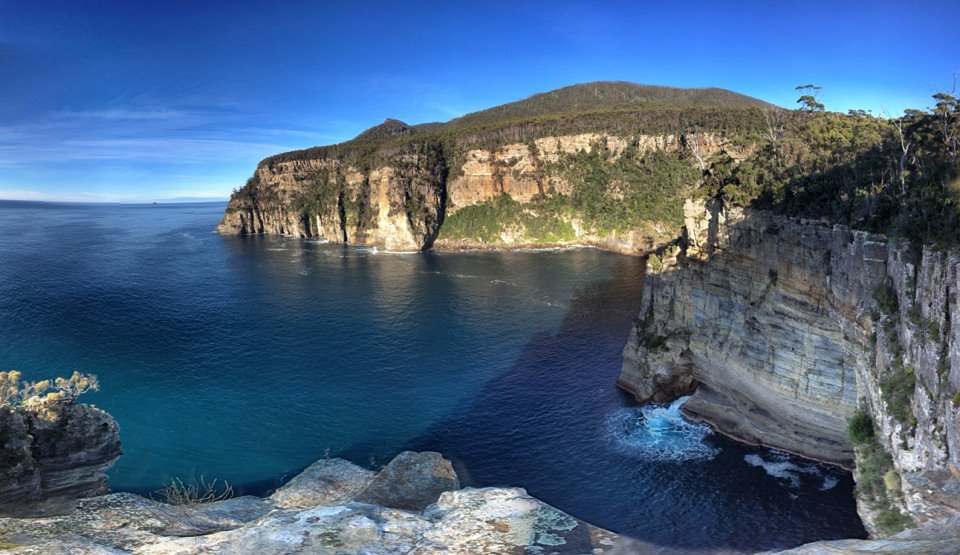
column 247, row 358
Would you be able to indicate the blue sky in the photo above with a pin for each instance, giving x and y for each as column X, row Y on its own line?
column 134, row 101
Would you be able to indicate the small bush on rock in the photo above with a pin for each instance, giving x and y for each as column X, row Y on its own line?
column 194, row 493
column 860, row 428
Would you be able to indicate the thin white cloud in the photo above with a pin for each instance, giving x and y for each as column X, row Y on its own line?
column 46, row 196
column 125, row 114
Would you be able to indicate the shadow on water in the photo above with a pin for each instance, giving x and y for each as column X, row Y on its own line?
column 548, row 417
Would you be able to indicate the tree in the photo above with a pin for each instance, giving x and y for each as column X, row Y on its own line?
column 808, row 101
column 905, row 144
column 947, row 112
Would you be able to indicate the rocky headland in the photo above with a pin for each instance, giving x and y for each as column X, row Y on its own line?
column 505, row 177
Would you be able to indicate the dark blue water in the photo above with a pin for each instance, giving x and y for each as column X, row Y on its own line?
column 246, row 359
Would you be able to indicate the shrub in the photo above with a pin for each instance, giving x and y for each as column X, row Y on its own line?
column 194, row 493
column 540, row 221
column 15, row 392
column 860, row 428
column 886, row 297
column 897, row 389
column 891, row 480
column 890, row 521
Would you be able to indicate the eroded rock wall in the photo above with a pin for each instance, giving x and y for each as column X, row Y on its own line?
column 50, row 457
column 775, row 324
column 399, row 203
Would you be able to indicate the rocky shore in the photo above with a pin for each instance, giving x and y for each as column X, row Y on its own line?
column 413, row 505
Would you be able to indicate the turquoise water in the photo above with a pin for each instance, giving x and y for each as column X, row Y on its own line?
column 247, row 358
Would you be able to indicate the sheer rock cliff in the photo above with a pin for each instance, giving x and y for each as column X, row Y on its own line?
column 782, row 328
column 400, row 199
column 53, row 455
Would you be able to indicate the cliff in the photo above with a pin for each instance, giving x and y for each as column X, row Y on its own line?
column 52, row 454
column 782, row 328
column 606, row 164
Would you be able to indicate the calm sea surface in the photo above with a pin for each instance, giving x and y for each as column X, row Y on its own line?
column 246, row 359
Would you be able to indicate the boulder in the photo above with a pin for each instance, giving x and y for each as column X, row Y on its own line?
column 411, row 481
column 324, row 482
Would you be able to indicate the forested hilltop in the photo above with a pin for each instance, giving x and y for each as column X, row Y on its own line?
column 610, row 164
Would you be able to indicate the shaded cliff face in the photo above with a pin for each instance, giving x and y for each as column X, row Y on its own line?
column 399, row 205
column 52, row 456
column 777, row 325
column 402, row 200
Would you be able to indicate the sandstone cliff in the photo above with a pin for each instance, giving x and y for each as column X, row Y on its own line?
column 784, row 327
column 53, row 454
column 403, row 203
column 513, row 175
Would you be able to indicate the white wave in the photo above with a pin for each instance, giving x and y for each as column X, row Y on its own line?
column 501, row 282
column 829, row 482
column 779, row 465
column 660, row 433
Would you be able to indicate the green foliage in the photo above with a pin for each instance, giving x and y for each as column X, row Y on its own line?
column 860, row 428
column 878, row 485
column 897, row 389
column 886, row 297
column 610, row 107
column 899, row 176
column 541, row 221
column 956, row 399
column 852, row 169
column 654, row 342
column 808, row 102
column 891, row 520
column 617, row 195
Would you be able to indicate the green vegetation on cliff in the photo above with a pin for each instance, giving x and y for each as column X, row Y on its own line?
column 546, row 220
column 603, row 107
column 878, row 484
column 615, row 193
column 612, row 192
column 892, row 175
column 900, row 176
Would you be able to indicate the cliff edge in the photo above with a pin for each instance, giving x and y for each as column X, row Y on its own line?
column 413, row 505
column 786, row 329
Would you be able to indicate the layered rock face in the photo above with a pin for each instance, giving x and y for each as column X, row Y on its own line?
column 400, row 201
column 776, row 325
column 54, row 455
column 525, row 170
column 399, row 205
